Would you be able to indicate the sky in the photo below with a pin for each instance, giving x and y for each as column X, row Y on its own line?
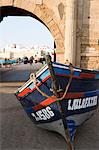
column 25, row 31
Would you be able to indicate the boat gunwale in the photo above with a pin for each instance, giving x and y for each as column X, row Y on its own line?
column 57, row 65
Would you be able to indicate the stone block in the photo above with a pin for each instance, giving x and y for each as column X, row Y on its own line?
column 38, row 2
column 37, row 11
column 6, row 2
column 46, row 18
column 17, row 3
column 53, row 28
column 28, row 5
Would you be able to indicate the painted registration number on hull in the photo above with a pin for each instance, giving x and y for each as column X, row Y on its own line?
column 43, row 114
column 77, row 104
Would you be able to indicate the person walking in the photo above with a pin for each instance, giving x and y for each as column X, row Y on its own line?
column 31, row 60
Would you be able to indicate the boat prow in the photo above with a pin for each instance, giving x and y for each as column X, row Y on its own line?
column 60, row 98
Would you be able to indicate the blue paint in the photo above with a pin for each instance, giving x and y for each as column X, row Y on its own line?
column 31, row 86
column 97, row 76
column 92, row 93
column 76, row 73
column 62, row 71
column 72, row 129
column 44, row 75
column 2, row 61
column 39, row 79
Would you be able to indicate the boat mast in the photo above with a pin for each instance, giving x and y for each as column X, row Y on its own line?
column 55, row 91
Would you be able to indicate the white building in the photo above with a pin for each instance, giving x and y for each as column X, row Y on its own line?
column 14, row 51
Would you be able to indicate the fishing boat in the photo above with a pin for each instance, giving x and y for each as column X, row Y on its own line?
column 60, row 97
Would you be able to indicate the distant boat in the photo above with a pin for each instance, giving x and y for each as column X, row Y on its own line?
column 60, row 98
column 7, row 61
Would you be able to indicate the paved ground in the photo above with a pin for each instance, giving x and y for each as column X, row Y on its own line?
column 18, row 73
column 18, row 132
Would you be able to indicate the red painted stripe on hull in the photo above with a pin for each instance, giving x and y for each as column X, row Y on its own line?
column 82, row 75
column 24, row 92
column 64, row 75
column 53, row 98
column 87, row 75
column 44, row 103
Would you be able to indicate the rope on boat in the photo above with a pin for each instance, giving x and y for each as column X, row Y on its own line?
column 33, row 78
column 69, row 82
column 58, row 98
column 57, row 94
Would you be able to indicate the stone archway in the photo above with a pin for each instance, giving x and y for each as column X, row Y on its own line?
column 44, row 14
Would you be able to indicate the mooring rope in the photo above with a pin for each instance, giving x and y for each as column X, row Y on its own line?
column 33, row 78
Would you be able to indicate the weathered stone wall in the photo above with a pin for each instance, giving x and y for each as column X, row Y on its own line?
column 58, row 7
column 53, row 15
column 90, row 34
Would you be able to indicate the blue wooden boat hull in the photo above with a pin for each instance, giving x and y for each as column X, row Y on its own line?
column 79, row 104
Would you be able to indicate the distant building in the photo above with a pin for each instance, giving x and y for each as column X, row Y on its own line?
column 14, row 51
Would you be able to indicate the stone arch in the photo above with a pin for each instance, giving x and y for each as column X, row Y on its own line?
column 44, row 14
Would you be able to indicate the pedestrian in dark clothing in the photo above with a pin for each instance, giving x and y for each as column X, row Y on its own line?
column 31, row 60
